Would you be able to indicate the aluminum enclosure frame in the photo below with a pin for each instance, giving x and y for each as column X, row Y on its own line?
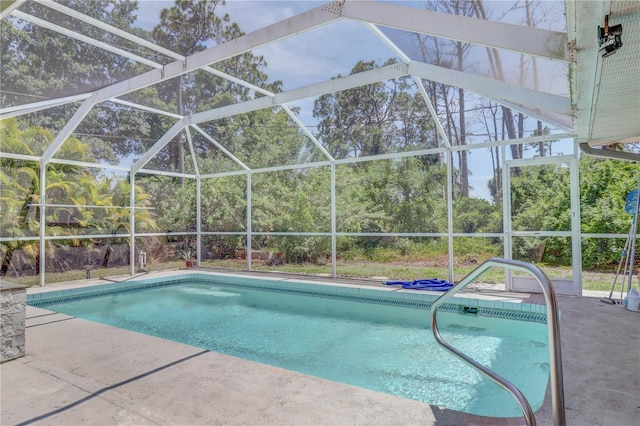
column 495, row 35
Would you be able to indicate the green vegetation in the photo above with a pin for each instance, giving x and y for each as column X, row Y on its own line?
column 79, row 202
column 380, row 122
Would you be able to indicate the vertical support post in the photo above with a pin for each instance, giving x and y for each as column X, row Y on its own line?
column 506, row 215
column 248, row 237
column 47, row 155
column 576, row 231
column 43, row 225
column 198, row 221
column 132, row 222
column 334, row 272
column 449, row 154
column 632, row 241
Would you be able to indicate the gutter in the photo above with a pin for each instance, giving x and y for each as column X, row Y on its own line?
column 607, row 153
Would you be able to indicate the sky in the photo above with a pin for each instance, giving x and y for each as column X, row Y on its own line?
column 321, row 54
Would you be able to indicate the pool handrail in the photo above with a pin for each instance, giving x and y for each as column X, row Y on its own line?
column 553, row 326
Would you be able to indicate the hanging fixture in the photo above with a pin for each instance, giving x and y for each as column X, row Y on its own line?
column 609, row 38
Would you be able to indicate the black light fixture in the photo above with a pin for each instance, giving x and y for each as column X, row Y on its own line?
column 609, row 38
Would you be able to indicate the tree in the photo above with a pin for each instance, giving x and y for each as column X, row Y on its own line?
column 375, row 119
column 476, row 215
column 191, row 26
column 497, row 70
column 604, row 187
column 69, row 190
column 541, row 201
column 39, row 64
column 487, row 115
column 452, row 101
column 383, row 195
column 261, row 139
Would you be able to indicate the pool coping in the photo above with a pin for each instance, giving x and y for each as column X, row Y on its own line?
column 466, row 303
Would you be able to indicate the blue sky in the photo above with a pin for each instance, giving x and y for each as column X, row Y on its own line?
column 321, row 54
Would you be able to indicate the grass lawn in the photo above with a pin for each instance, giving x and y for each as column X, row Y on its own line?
column 352, row 269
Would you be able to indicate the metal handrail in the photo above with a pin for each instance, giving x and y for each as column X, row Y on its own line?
column 555, row 356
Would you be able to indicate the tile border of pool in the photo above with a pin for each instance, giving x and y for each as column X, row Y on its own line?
column 392, row 296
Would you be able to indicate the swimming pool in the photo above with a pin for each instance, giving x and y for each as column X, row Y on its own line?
column 376, row 339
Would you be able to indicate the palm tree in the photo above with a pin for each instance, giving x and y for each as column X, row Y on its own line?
column 69, row 190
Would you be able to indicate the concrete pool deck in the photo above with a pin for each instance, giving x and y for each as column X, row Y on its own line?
column 77, row 372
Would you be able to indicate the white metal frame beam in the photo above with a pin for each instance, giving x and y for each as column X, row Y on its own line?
column 192, row 152
column 307, row 132
column 343, row 83
column 165, row 139
column 139, row 40
column 390, row 156
column 562, row 122
column 384, row 39
column 93, row 42
column 233, row 109
column 397, row 155
column 145, row 108
column 425, row 96
column 318, row 89
column 220, row 147
column 18, row 110
column 262, row 37
column 9, row 6
column 527, row 40
column 165, row 173
column 509, row 94
column 492, row 89
column 23, row 109
column 67, row 130
column 432, row 111
column 36, row 158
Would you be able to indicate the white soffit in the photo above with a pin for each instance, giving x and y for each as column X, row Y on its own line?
column 605, row 91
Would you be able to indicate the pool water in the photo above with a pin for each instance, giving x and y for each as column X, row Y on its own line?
column 384, row 348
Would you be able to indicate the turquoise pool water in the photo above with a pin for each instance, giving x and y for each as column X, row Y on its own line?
column 384, row 348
